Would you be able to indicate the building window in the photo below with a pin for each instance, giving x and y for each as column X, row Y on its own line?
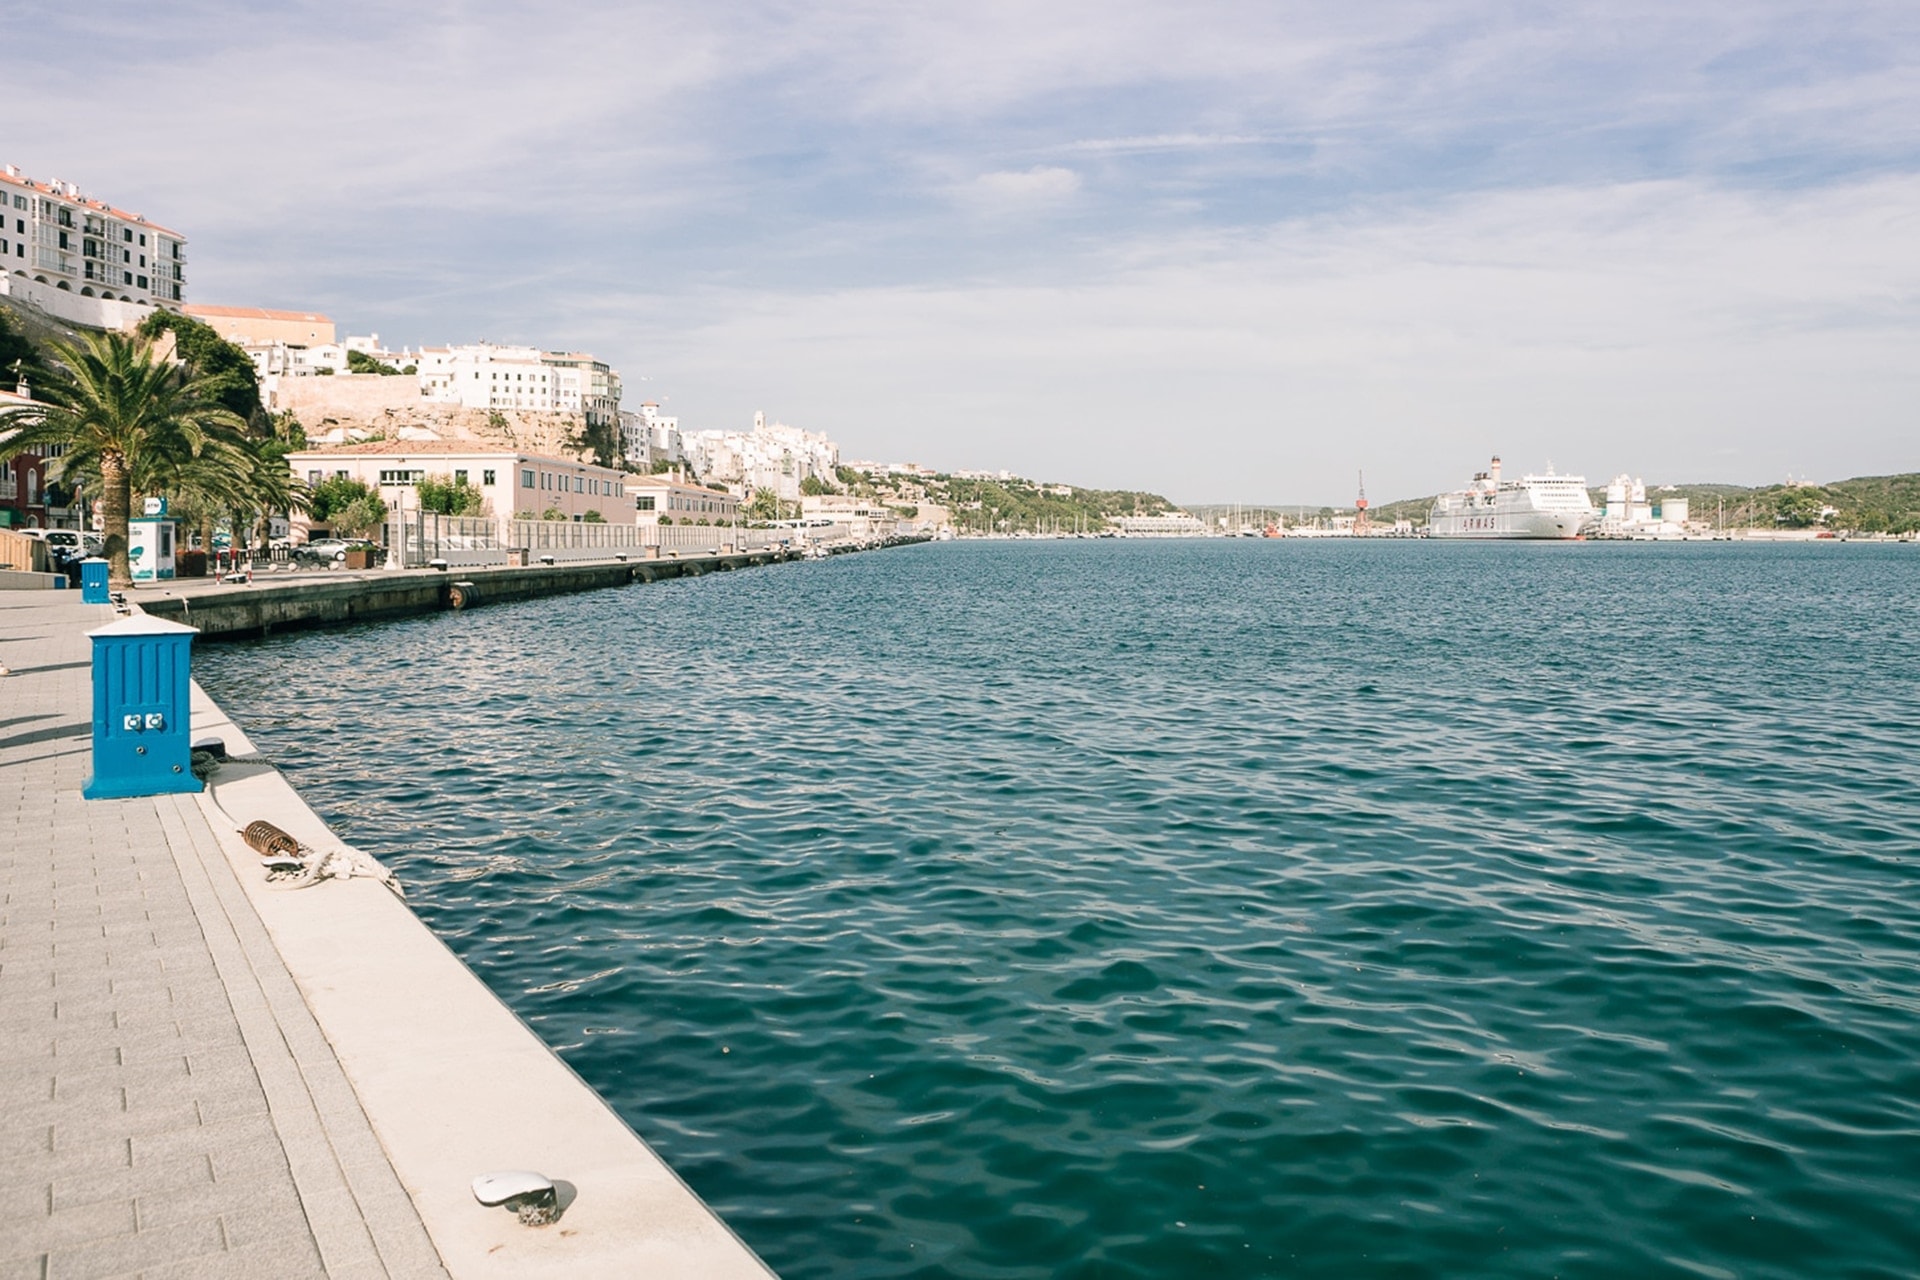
column 142, row 282
column 643, row 503
column 526, row 479
column 459, row 477
column 128, row 233
column 579, row 484
column 399, row 477
column 313, row 477
column 486, row 477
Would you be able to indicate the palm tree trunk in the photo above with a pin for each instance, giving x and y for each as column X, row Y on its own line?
column 115, row 498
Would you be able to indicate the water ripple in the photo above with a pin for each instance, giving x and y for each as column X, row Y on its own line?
column 1234, row 908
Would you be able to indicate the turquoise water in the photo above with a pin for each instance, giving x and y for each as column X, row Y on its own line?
column 1192, row 909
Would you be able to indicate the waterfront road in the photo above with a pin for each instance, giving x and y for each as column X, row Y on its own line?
column 171, row 1108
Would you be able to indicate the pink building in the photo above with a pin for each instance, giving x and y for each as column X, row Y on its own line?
column 668, row 498
column 510, row 482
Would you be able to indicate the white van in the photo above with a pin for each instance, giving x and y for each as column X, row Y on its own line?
column 66, row 543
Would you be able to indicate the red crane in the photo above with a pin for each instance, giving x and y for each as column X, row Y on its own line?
column 1361, row 525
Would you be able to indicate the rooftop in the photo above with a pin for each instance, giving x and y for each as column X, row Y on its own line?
column 255, row 313
column 67, row 191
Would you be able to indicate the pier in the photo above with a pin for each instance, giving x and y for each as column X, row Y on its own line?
column 209, row 1077
column 271, row 603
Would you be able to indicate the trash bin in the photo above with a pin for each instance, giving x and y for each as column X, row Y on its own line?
column 93, row 581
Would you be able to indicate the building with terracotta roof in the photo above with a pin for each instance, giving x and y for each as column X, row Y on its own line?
column 510, row 481
column 58, row 237
column 259, row 326
column 671, row 498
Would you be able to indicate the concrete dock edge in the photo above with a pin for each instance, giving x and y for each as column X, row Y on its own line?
column 453, row 1083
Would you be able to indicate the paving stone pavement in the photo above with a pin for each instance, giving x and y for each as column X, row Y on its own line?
column 168, row 1106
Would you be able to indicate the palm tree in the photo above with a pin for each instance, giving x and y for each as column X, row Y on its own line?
column 125, row 416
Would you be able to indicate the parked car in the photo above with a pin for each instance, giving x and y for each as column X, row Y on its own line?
column 332, row 552
column 66, row 544
column 322, row 554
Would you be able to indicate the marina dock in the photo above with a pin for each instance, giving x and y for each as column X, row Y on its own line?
column 209, row 1077
column 272, row 603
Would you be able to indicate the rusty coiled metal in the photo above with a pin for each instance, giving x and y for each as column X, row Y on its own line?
column 269, row 841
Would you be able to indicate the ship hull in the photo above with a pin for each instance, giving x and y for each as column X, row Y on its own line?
column 1499, row 522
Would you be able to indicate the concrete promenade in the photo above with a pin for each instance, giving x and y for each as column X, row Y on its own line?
column 205, row 1077
column 172, row 1108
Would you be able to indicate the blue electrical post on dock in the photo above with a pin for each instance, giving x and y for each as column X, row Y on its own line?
column 142, row 691
column 93, row 581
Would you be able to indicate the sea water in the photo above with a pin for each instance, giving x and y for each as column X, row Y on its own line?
column 1210, row 908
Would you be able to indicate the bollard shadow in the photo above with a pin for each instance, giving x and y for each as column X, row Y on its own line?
column 53, row 733
column 52, row 666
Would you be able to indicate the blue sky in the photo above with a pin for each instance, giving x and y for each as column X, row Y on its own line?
column 1225, row 251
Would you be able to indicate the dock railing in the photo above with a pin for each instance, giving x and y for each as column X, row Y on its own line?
column 417, row 538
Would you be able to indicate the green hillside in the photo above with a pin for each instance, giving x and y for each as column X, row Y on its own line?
column 1008, row 505
column 1864, row 504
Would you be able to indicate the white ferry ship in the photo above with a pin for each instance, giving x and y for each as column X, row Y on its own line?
column 1547, row 506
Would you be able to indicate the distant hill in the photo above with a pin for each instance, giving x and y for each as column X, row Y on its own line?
column 1864, row 504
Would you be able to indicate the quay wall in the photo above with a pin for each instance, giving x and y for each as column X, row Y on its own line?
column 265, row 605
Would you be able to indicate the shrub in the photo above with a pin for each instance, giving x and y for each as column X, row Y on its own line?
column 448, row 496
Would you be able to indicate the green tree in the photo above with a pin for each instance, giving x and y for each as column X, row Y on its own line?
column 553, row 513
column 123, row 414
column 227, row 370
column 359, row 518
column 814, row 486
column 361, row 362
column 1800, row 508
column 287, row 430
column 593, row 517
column 765, row 505
column 449, row 496
column 336, row 492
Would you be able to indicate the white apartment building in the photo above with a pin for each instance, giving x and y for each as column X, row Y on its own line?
column 481, row 375
column 650, row 436
column 53, row 235
column 773, row 456
column 277, row 360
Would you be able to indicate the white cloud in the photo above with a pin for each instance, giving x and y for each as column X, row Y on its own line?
column 1020, row 190
column 1163, row 142
column 1641, row 326
column 1261, row 235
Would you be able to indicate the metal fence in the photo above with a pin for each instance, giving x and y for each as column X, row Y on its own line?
column 420, row 537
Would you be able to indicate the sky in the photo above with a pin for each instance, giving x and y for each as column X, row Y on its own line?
column 1221, row 251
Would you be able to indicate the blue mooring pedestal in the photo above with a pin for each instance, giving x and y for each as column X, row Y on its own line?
column 142, row 731
column 93, row 581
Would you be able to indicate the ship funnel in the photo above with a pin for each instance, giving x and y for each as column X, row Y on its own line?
column 1493, row 473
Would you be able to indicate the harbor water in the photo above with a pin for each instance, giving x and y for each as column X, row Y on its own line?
column 1191, row 908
